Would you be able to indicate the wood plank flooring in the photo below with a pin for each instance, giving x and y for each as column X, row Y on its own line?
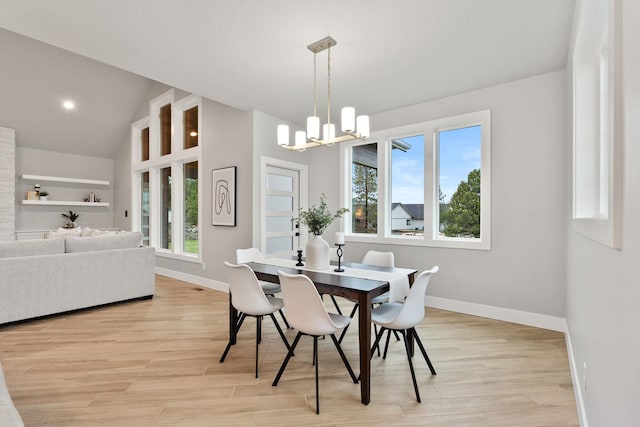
column 155, row 363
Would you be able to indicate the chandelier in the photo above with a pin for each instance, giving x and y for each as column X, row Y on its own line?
column 352, row 127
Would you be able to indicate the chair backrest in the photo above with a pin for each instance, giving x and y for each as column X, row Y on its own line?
column 246, row 294
column 305, row 310
column 412, row 311
column 244, row 256
column 380, row 259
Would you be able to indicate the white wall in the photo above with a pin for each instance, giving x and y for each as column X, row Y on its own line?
column 525, row 268
column 226, row 141
column 603, row 284
column 51, row 163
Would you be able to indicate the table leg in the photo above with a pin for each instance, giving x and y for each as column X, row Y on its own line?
column 233, row 319
column 364, row 329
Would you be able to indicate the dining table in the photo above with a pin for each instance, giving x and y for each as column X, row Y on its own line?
column 358, row 282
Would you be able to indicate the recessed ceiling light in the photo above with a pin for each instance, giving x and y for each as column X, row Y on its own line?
column 68, row 104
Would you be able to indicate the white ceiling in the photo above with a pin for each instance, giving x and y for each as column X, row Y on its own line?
column 251, row 54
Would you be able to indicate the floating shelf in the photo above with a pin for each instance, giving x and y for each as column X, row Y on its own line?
column 63, row 203
column 63, row 179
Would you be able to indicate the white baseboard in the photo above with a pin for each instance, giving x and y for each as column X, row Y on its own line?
column 577, row 385
column 196, row 280
column 505, row 314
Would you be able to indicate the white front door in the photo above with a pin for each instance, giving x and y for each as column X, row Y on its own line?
column 281, row 196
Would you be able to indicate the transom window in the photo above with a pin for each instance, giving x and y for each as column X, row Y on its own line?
column 424, row 184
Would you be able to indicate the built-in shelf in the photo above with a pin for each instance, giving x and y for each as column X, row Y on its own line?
column 63, row 203
column 63, row 179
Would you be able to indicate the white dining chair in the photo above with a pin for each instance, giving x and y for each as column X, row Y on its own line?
column 244, row 256
column 403, row 317
column 248, row 298
column 309, row 316
column 377, row 259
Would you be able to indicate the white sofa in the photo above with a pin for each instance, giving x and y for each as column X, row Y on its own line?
column 49, row 276
column 9, row 416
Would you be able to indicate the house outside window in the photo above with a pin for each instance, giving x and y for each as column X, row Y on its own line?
column 437, row 184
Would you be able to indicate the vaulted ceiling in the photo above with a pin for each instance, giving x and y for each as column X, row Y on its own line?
column 251, row 54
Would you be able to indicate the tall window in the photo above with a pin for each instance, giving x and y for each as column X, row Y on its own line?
column 166, row 174
column 407, row 185
column 165, row 208
column 437, row 184
column 459, row 179
column 364, row 189
column 190, row 185
column 144, row 205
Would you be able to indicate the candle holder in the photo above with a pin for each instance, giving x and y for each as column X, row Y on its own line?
column 300, row 263
column 340, row 253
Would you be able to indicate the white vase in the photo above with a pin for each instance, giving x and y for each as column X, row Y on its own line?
column 317, row 256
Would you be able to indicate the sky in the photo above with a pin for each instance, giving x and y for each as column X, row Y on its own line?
column 459, row 155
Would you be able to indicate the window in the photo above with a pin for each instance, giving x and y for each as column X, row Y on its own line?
column 190, row 134
column 144, row 140
column 165, row 208
column 597, row 123
column 144, row 207
column 434, row 188
column 166, row 183
column 165, row 129
column 364, row 189
column 190, row 186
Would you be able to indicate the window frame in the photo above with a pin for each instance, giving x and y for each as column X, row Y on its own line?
column 430, row 130
column 176, row 160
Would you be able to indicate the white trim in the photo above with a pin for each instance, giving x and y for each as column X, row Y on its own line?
column 303, row 186
column 499, row 313
column 577, row 384
column 430, row 130
column 194, row 280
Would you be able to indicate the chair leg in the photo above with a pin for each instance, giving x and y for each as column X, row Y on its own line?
column 284, row 319
column 286, row 359
column 336, row 304
column 413, row 374
column 284, row 339
column 386, row 346
column 258, row 333
column 344, row 331
column 424, row 353
column 375, row 343
column 344, row 359
column 315, row 362
column 233, row 334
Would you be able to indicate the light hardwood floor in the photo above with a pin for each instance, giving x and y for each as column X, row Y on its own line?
column 155, row 362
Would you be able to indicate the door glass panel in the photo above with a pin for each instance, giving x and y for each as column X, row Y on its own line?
column 279, row 183
column 277, row 224
column 279, row 203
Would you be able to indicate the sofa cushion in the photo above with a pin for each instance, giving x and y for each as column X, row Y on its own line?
column 102, row 243
column 31, row 247
column 61, row 233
